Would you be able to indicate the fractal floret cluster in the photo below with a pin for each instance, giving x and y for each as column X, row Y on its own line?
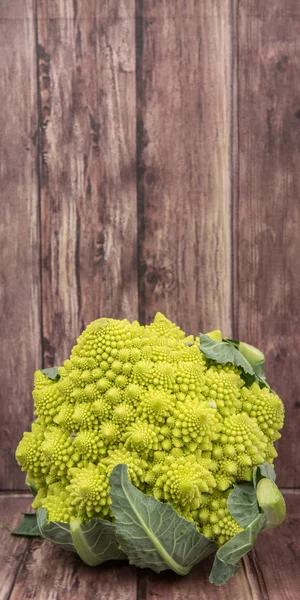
column 187, row 427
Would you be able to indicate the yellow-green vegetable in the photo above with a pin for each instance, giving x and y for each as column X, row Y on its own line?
column 271, row 502
column 187, row 428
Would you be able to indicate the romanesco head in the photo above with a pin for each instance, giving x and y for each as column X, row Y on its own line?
column 186, row 427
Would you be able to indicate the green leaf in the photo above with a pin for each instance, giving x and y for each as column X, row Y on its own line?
column 242, row 504
column 234, row 342
column 257, row 506
column 31, row 484
column 256, row 359
column 28, row 527
column 242, row 355
column 227, row 557
column 151, row 533
column 269, row 497
column 263, row 470
column 259, row 369
column 253, row 355
column 51, row 373
column 272, row 503
column 224, row 352
column 94, row 542
column 59, row 533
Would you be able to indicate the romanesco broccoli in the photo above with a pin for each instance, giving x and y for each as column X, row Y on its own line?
column 146, row 396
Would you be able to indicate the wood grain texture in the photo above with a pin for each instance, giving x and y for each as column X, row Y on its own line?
column 12, row 548
column 276, row 556
column 195, row 585
column 41, row 571
column 19, row 232
column 53, row 574
column 183, row 136
column 267, row 221
column 87, row 166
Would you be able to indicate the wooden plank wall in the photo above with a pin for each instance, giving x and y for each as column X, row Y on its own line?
column 20, row 285
column 148, row 160
column 183, row 176
column 87, row 99
column 267, row 206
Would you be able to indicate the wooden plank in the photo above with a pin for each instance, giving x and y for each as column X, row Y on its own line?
column 276, row 557
column 195, row 585
column 88, row 191
column 184, row 191
column 12, row 548
column 87, row 164
column 50, row 573
column 19, row 232
column 267, row 221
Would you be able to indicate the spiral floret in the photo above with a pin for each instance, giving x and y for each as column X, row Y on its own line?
column 156, row 406
column 265, row 407
column 47, row 398
column 141, row 437
column 223, row 389
column 241, row 445
column 196, row 425
column 181, row 482
column 57, row 502
column 56, row 451
column 89, row 491
column 214, row 518
column 87, row 445
column 164, row 328
column 30, row 456
column 137, row 466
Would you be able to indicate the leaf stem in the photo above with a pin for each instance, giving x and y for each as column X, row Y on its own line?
column 173, row 564
column 271, row 502
column 81, row 545
column 253, row 355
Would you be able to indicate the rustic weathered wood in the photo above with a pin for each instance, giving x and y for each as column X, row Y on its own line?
column 19, row 232
column 184, row 190
column 12, row 548
column 267, row 221
column 50, row 573
column 277, row 555
column 44, row 572
column 87, row 166
column 195, row 585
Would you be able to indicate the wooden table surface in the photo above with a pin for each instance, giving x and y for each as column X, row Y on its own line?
column 36, row 569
